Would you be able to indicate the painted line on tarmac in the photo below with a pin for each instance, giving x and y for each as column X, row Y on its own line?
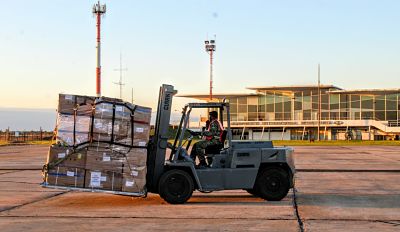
column 346, row 170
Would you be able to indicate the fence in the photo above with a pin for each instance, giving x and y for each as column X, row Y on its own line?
column 24, row 136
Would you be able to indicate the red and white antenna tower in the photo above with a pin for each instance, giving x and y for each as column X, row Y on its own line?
column 98, row 10
column 210, row 49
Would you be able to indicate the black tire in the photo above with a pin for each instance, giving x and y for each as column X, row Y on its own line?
column 272, row 184
column 252, row 192
column 176, row 186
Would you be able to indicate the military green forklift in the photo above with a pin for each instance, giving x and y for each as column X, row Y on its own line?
column 255, row 166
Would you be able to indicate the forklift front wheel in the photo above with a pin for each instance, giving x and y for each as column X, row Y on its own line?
column 272, row 184
column 252, row 192
column 176, row 186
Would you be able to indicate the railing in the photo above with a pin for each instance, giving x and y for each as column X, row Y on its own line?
column 288, row 123
column 393, row 123
column 24, row 136
column 386, row 126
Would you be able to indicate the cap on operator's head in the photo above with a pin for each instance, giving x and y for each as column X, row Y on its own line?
column 213, row 114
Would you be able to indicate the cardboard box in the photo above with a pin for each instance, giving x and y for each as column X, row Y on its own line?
column 66, row 176
column 83, row 104
column 66, row 157
column 105, row 111
column 102, row 131
column 65, row 129
column 109, row 99
column 137, row 172
column 137, row 157
column 67, row 138
column 65, row 122
column 141, row 131
column 142, row 115
column 102, row 159
column 132, row 184
column 105, row 180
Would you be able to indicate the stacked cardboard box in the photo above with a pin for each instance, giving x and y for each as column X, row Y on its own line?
column 67, row 157
column 66, row 176
column 101, row 144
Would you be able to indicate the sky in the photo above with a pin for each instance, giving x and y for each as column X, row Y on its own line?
column 48, row 47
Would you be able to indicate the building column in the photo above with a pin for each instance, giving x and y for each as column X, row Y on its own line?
column 241, row 137
column 304, row 131
column 269, row 133
column 369, row 132
column 262, row 133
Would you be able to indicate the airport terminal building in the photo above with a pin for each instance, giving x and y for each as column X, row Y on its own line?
column 292, row 113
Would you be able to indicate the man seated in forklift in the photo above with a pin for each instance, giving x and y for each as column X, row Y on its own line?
column 211, row 136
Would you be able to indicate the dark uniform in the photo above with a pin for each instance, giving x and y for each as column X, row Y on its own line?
column 212, row 137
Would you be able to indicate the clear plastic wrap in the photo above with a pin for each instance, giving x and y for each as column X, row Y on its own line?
column 65, row 129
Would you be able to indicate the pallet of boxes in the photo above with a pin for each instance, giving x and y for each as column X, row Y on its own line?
column 100, row 146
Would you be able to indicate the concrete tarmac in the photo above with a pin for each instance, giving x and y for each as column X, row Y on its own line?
column 337, row 189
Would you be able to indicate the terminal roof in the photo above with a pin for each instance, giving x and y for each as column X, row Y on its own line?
column 294, row 87
column 367, row 91
column 216, row 96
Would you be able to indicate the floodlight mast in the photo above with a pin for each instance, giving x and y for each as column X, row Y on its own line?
column 210, row 49
column 98, row 10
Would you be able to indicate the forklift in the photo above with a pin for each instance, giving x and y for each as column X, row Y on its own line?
column 258, row 167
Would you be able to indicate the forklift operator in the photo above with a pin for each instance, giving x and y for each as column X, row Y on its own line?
column 212, row 136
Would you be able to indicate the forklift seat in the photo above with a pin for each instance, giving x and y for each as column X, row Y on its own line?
column 216, row 148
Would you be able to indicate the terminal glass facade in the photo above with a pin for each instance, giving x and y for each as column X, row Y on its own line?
column 277, row 105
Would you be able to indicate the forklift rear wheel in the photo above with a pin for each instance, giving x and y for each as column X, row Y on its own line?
column 176, row 186
column 272, row 184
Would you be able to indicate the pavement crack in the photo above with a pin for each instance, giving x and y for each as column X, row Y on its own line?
column 17, row 182
column 391, row 223
column 11, row 171
column 28, row 203
column 296, row 209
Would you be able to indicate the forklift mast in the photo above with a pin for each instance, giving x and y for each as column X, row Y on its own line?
column 159, row 142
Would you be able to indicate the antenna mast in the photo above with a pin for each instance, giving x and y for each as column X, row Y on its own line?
column 98, row 10
column 132, row 97
column 120, row 69
column 319, row 102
